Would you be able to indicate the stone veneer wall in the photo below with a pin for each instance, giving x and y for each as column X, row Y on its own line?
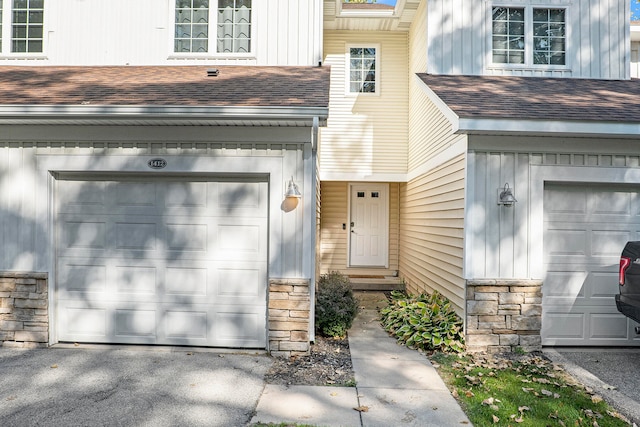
column 24, row 314
column 503, row 315
column 289, row 309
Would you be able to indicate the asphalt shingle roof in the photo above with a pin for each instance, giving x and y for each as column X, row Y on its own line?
column 526, row 98
column 243, row 86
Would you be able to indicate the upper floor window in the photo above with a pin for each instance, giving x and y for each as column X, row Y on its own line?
column 21, row 26
column 197, row 20
column 363, row 74
column 529, row 36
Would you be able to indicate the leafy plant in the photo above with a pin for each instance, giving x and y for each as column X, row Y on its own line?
column 425, row 322
column 336, row 307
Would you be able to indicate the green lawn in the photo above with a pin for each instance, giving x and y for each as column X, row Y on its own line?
column 522, row 391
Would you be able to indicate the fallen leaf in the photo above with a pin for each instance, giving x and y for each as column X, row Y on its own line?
column 488, row 401
column 596, row 399
column 334, row 394
column 362, row 409
column 54, row 366
column 523, row 408
column 494, row 408
column 546, row 392
column 526, row 389
column 469, row 393
column 495, row 419
column 189, row 354
column 609, row 387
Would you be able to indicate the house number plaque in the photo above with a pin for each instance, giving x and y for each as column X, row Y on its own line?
column 157, row 163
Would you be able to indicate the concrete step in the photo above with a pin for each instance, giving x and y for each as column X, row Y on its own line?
column 376, row 283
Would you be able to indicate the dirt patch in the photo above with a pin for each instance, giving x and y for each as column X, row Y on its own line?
column 328, row 364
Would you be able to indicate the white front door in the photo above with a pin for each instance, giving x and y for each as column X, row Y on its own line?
column 369, row 225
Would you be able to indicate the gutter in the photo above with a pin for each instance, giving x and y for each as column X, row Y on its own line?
column 17, row 114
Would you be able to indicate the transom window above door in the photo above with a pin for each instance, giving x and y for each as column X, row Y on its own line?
column 528, row 36
column 21, row 26
column 212, row 26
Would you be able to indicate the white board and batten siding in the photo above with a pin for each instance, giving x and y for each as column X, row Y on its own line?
column 597, row 39
column 574, row 213
column 366, row 134
column 140, row 32
column 156, row 246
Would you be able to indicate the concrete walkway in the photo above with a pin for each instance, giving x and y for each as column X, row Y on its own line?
column 395, row 386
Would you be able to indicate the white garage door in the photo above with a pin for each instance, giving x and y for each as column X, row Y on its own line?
column 586, row 227
column 162, row 262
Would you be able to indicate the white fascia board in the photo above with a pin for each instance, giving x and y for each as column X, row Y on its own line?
column 547, row 127
column 64, row 113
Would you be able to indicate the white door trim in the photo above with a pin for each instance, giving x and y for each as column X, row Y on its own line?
column 383, row 189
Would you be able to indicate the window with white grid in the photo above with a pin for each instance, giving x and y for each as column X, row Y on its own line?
column 198, row 21
column 529, row 36
column 21, row 26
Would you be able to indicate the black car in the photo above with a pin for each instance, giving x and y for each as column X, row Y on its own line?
column 628, row 300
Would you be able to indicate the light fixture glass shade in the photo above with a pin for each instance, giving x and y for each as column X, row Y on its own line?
column 505, row 196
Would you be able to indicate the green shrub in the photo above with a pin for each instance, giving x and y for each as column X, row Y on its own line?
column 424, row 322
column 336, row 306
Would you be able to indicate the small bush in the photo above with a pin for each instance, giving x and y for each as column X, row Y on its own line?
column 424, row 322
column 336, row 307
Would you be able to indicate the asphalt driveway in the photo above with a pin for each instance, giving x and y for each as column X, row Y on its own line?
column 102, row 386
column 613, row 373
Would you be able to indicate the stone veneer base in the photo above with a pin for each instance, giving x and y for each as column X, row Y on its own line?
column 289, row 310
column 24, row 309
column 503, row 315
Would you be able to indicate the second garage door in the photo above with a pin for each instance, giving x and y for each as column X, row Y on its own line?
column 586, row 227
column 162, row 261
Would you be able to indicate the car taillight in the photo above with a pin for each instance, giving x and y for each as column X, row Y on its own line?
column 625, row 262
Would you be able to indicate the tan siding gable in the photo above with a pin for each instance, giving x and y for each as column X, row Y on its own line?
column 366, row 134
column 432, row 232
column 418, row 41
column 430, row 132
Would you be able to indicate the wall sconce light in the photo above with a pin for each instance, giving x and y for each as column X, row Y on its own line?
column 292, row 192
column 505, row 196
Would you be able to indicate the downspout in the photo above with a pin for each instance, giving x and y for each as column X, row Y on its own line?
column 314, row 218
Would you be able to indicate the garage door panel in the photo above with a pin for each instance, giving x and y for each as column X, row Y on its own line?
column 564, row 284
column 582, row 254
column 604, row 326
column 560, row 325
column 163, row 263
column 239, row 326
column 83, row 277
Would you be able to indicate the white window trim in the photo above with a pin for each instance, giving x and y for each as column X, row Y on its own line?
column 528, row 38
column 7, row 27
column 347, row 69
column 213, row 24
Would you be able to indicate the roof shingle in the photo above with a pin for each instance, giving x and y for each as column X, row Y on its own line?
column 243, row 86
column 536, row 98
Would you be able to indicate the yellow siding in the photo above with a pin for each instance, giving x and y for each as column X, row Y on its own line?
column 432, row 232
column 333, row 239
column 418, row 41
column 366, row 134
